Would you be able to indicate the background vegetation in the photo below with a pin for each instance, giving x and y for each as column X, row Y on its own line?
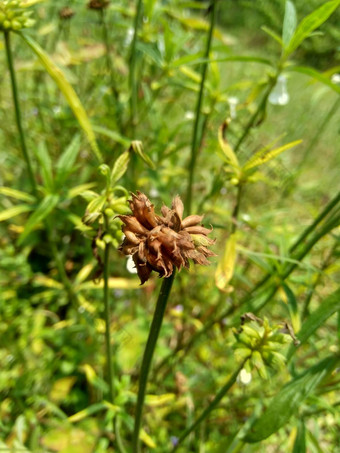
column 136, row 68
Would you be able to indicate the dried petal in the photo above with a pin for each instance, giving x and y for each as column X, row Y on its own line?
column 192, row 220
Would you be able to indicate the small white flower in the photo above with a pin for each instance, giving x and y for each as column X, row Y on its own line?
column 335, row 78
column 130, row 265
column 279, row 94
column 233, row 101
column 244, row 377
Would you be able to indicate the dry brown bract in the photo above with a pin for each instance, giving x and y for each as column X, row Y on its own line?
column 160, row 243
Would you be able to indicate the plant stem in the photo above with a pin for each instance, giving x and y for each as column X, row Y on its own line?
column 132, row 74
column 261, row 108
column 107, row 315
column 109, row 65
column 18, row 112
column 148, row 354
column 231, row 381
column 195, row 135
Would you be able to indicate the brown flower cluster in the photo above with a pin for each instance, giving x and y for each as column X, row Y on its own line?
column 66, row 13
column 160, row 243
column 98, row 4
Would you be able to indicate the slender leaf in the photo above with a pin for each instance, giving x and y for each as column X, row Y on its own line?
column 41, row 212
column 292, row 307
column 45, row 162
column 315, row 75
column 300, row 440
column 225, row 147
column 272, row 34
column 289, row 23
column 137, row 147
column 66, row 160
column 327, row 308
column 287, row 401
column 14, row 211
column 263, row 156
column 120, row 167
column 115, row 136
column 226, row 265
column 310, row 23
column 17, row 194
column 67, row 90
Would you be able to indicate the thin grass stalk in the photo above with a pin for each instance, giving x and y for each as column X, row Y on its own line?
column 133, row 58
column 109, row 65
column 231, row 381
column 18, row 112
column 261, row 107
column 195, row 135
column 148, row 354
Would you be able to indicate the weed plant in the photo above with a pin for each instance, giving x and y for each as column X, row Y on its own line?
column 112, row 113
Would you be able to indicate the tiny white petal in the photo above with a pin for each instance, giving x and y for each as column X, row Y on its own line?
column 130, row 265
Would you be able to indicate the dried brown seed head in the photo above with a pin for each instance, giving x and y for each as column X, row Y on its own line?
column 162, row 243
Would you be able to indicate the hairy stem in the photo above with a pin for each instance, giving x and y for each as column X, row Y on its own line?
column 196, row 130
column 148, row 354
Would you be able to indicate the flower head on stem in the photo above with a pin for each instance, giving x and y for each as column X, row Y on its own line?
column 164, row 242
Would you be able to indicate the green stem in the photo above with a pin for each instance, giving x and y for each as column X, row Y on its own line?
column 133, row 59
column 195, row 136
column 261, row 108
column 109, row 65
column 231, row 381
column 107, row 315
column 148, row 354
column 18, row 112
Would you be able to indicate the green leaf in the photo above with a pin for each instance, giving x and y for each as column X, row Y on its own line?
column 67, row 90
column 45, row 165
column 115, row 136
column 66, row 161
column 315, row 75
column 263, row 156
column 44, row 208
column 137, row 147
column 78, row 190
column 225, row 147
column 272, row 34
column 310, row 23
column 287, row 401
column 120, row 167
column 14, row 211
column 317, row 318
column 289, row 23
column 300, row 440
column 17, row 194
column 226, row 265
column 93, row 409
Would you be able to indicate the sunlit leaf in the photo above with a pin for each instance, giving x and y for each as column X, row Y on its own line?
column 226, row 265
column 120, row 167
column 61, row 388
column 144, row 437
column 17, row 194
column 310, row 23
column 67, row 90
column 289, row 23
column 14, row 211
column 225, row 147
column 263, row 156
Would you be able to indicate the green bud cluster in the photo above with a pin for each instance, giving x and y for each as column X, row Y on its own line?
column 100, row 222
column 261, row 344
column 14, row 16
